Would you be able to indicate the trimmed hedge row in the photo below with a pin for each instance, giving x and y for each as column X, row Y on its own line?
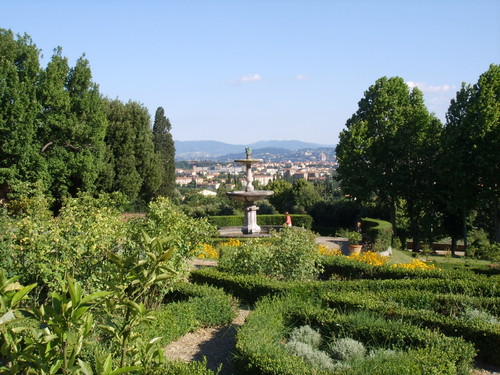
column 248, row 288
column 446, row 312
column 188, row 307
column 238, row 220
column 260, row 348
column 251, row 288
column 380, row 233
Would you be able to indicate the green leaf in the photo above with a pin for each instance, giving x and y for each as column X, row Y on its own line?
column 167, row 255
column 75, row 292
column 10, row 286
column 20, row 294
column 163, row 276
column 107, row 366
column 146, row 237
column 92, row 297
column 7, row 317
column 80, row 311
column 55, row 367
column 85, row 368
column 123, row 370
column 151, row 255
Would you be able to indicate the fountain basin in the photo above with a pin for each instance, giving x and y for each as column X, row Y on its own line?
column 248, row 161
column 249, row 196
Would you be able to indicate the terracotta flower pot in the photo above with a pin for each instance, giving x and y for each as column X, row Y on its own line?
column 355, row 249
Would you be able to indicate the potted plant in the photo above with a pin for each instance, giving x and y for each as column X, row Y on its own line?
column 354, row 239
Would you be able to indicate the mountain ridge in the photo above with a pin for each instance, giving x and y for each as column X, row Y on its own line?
column 209, row 148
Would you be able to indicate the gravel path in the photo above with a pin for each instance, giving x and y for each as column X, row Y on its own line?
column 216, row 344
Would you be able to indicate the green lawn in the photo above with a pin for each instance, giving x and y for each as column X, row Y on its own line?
column 442, row 261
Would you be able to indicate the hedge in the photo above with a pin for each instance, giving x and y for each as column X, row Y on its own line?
column 251, row 288
column 188, row 307
column 431, row 311
column 260, row 348
column 380, row 233
column 248, row 288
column 238, row 220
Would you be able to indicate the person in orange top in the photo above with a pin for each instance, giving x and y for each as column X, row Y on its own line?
column 288, row 220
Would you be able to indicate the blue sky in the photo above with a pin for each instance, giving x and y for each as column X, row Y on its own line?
column 243, row 71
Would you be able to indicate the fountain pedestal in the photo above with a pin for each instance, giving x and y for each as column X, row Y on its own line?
column 250, row 225
column 250, row 196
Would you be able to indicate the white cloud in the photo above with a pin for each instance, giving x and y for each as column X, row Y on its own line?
column 424, row 87
column 301, row 77
column 246, row 79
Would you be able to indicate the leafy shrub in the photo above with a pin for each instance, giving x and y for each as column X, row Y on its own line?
column 248, row 288
column 290, row 254
column 380, row 233
column 211, row 305
column 180, row 368
column 310, row 354
column 250, row 258
column 346, row 349
column 259, row 349
column 476, row 314
column 306, row 335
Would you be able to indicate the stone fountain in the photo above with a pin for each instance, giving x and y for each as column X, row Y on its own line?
column 250, row 195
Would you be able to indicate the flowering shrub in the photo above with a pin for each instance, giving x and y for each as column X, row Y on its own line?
column 206, row 251
column 416, row 264
column 291, row 254
column 232, row 242
column 325, row 250
column 370, row 257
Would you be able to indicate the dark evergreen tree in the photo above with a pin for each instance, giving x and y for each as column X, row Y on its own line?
column 165, row 149
column 20, row 158
column 131, row 165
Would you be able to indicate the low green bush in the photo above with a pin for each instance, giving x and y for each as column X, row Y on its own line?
column 260, row 349
column 211, row 305
column 181, row 368
column 380, row 233
column 248, row 288
column 291, row 254
column 446, row 313
column 298, row 220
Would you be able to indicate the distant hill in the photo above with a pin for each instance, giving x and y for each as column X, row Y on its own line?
column 185, row 150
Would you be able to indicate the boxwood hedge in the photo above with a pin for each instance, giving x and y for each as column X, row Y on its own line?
column 260, row 348
column 298, row 220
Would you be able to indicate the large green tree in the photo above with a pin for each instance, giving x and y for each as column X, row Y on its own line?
column 20, row 159
column 471, row 142
column 386, row 150
column 132, row 167
column 165, row 149
column 72, row 126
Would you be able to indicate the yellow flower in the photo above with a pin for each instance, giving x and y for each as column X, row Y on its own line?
column 370, row 257
column 206, row 251
column 325, row 250
column 416, row 264
column 232, row 242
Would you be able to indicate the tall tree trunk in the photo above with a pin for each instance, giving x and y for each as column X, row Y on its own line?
column 464, row 223
column 496, row 216
column 454, row 241
column 392, row 210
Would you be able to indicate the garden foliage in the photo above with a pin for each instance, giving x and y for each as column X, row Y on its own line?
column 291, row 254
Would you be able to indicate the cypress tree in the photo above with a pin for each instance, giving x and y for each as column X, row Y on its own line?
column 165, row 149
